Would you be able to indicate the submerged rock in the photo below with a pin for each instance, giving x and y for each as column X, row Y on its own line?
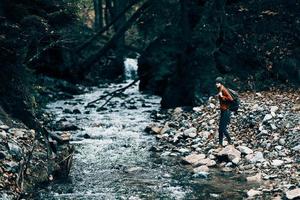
column 201, row 169
column 201, row 175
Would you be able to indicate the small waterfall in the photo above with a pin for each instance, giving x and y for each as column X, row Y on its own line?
column 130, row 68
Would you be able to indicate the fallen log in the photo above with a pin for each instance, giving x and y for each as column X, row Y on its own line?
column 113, row 94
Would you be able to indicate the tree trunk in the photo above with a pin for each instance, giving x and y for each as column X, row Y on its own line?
column 86, row 65
column 98, row 14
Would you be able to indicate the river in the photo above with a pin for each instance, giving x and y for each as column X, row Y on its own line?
column 112, row 158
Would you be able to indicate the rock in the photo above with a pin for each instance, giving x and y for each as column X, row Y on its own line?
column 278, row 147
column 86, row 136
column 165, row 129
column 252, row 193
column 11, row 166
column 183, row 150
column 178, row 110
column 273, row 126
column 277, row 197
column 2, row 155
column 200, row 169
column 4, row 127
column 296, row 107
column 197, row 109
column 201, row 175
column 65, row 126
column 191, row 132
column 193, row 159
column 211, row 105
column 19, row 133
column 267, row 117
column 204, row 134
column 274, row 109
column 211, row 122
column 206, row 161
column 293, row 194
column 134, row 169
column 67, row 111
column 229, row 164
column 226, row 169
column 277, row 163
column 15, row 150
column 214, row 195
column 255, row 107
column 255, row 178
column 3, row 135
column 254, row 158
column 296, row 148
column 153, row 129
column 231, row 153
column 245, row 150
column 76, row 111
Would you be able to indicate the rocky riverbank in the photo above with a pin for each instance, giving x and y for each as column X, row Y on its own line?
column 266, row 135
column 24, row 162
column 27, row 158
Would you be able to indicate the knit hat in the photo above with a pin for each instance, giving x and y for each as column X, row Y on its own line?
column 220, row 80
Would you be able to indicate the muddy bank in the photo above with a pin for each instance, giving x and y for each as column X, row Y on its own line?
column 266, row 145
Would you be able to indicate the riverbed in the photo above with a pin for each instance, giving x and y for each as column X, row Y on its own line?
column 113, row 158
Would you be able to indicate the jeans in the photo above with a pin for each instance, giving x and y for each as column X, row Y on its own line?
column 224, row 122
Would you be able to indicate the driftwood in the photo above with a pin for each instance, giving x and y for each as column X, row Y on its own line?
column 113, row 94
column 86, row 65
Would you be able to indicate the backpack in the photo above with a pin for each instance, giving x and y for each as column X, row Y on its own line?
column 235, row 104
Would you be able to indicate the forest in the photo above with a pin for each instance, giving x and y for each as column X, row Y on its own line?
column 118, row 99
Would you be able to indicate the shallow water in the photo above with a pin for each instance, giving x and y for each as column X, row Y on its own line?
column 115, row 162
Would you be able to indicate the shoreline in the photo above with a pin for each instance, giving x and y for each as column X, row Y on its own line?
column 265, row 133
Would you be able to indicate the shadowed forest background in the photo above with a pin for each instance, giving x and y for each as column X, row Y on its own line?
column 181, row 47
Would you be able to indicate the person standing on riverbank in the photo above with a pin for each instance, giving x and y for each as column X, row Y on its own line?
column 225, row 100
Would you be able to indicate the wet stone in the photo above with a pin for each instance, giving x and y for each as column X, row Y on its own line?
column 67, row 111
column 252, row 193
column 3, row 155
column 4, row 127
column 3, row 135
column 201, row 174
column 200, row 169
column 11, row 166
column 15, row 150
column 193, row 159
column 76, row 111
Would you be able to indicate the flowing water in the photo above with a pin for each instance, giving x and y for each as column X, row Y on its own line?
column 115, row 161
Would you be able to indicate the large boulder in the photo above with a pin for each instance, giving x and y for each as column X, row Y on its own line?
column 293, row 194
column 231, row 153
column 193, row 159
column 245, row 150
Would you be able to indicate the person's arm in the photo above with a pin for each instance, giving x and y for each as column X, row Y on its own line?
column 226, row 95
